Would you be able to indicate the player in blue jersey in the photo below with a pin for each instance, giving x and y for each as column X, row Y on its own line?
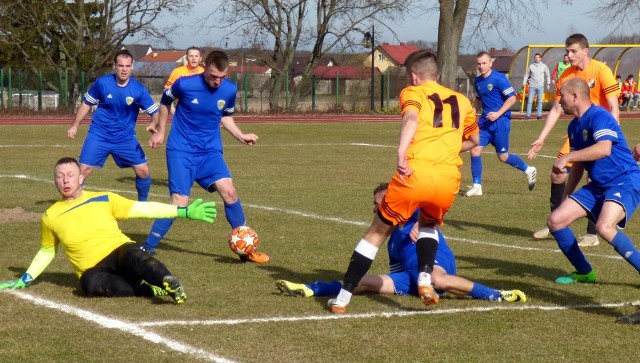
column 611, row 197
column 495, row 95
column 403, row 266
column 194, row 146
column 119, row 98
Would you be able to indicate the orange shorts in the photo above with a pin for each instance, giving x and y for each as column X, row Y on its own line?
column 564, row 150
column 432, row 189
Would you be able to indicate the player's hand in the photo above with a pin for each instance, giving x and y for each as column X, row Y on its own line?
column 403, row 169
column 636, row 152
column 151, row 127
column 560, row 166
column 24, row 281
column 156, row 140
column 492, row 116
column 199, row 211
column 71, row 133
column 413, row 234
column 536, row 146
column 249, row 139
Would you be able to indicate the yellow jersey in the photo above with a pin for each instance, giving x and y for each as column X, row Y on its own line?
column 181, row 72
column 445, row 118
column 86, row 227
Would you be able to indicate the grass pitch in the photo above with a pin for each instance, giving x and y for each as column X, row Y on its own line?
column 306, row 189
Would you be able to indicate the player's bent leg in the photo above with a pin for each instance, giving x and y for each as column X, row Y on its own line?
column 476, row 173
column 161, row 227
column 293, row 289
column 376, row 284
column 98, row 282
column 143, row 181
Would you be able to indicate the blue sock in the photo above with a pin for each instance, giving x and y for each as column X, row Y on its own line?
column 476, row 169
column 481, row 292
column 158, row 231
column 143, row 186
column 624, row 246
column 569, row 246
column 235, row 214
column 325, row 288
column 516, row 162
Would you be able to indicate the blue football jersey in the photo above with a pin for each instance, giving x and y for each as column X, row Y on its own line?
column 118, row 107
column 196, row 124
column 597, row 124
column 493, row 91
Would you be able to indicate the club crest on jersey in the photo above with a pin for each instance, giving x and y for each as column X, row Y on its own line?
column 490, row 87
column 585, row 135
column 591, row 83
column 129, row 100
column 220, row 104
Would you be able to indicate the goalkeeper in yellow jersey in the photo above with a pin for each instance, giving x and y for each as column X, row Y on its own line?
column 107, row 262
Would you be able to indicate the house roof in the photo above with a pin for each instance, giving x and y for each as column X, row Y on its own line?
column 248, row 68
column 398, row 53
column 137, row 50
column 345, row 72
column 493, row 52
column 299, row 63
column 163, row 56
column 502, row 64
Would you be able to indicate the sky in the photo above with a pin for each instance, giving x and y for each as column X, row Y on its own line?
column 553, row 22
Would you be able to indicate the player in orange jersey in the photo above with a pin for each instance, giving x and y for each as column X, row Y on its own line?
column 192, row 66
column 437, row 124
column 604, row 91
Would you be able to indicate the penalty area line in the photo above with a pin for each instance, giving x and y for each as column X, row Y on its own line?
column 123, row 326
column 389, row 314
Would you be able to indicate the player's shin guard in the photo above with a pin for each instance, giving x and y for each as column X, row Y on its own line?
column 569, row 246
column 557, row 193
column 360, row 263
column 159, row 229
column 235, row 214
column 143, row 186
column 476, row 169
column 516, row 162
column 624, row 246
column 426, row 248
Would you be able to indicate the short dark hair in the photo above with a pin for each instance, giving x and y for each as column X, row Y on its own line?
column 618, row 76
column 538, row 54
column 192, row 48
column 480, row 54
column 122, row 52
column 577, row 38
column 67, row 160
column 218, row 58
column 422, row 62
column 630, row 76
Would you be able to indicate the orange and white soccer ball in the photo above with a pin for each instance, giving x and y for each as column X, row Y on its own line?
column 243, row 240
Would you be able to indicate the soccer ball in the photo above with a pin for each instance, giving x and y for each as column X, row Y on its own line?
column 243, row 240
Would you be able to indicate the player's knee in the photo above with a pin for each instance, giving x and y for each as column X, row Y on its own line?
column 439, row 281
column 228, row 194
column 555, row 222
column 142, row 172
column 606, row 230
column 503, row 157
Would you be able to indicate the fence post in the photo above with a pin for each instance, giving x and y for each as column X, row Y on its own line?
column 337, row 89
column 286, row 91
column 20, row 86
column 388, row 89
column 66, row 87
column 60, row 88
column 313, row 93
column 382, row 91
column 82, row 84
column 2, row 89
column 245, row 85
column 10, row 93
column 39, row 91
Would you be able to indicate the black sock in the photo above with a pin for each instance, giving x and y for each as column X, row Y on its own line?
column 557, row 192
column 426, row 249
column 591, row 228
column 358, row 267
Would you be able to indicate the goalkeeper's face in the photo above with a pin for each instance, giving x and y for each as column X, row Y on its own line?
column 68, row 181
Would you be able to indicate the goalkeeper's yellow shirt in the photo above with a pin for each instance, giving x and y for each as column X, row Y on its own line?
column 181, row 72
column 86, row 227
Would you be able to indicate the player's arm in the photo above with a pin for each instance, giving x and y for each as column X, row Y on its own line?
column 197, row 210
column 407, row 131
column 232, row 128
column 575, row 176
column 83, row 110
column 554, row 75
column 470, row 134
column 594, row 152
column 163, row 114
column 549, row 123
column 614, row 108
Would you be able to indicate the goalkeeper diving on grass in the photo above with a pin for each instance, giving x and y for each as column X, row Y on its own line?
column 108, row 263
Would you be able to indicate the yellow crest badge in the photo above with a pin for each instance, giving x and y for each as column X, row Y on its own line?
column 585, row 135
column 490, row 87
column 129, row 100
column 220, row 104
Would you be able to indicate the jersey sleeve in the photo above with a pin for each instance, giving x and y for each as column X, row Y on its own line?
column 470, row 124
column 147, row 103
column 170, row 94
column 120, row 206
column 409, row 100
column 229, row 108
column 172, row 78
column 92, row 96
column 506, row 89
column 605, row 127
column 608, row 82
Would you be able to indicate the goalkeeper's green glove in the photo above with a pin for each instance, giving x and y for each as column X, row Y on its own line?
column 24, row 281
column 199, row 211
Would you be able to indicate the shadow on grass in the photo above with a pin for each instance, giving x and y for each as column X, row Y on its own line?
column 461, row 225
column 154, row 182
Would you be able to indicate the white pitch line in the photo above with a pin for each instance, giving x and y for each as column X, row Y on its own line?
column 331, row 219
column 387, row 314
column 126, row 327
column 30, row 146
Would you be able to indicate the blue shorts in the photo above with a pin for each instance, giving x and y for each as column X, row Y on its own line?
column 495, row 133
column 126, row 153
column 591, row 200
column 406, row 281
column 205, row 169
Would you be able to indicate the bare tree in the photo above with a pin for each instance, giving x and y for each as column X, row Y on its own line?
column 77, row 35
column 287, row 25
column 621, row 12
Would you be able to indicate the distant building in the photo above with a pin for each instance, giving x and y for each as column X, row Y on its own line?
column 390, row 55
column 501, row 59
column 137, row 50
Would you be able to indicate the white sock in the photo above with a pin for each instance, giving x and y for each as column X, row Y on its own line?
column 344, row 296
column 424, row 278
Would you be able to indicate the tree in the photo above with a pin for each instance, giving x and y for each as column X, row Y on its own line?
column 76, row 35
column 287, row 25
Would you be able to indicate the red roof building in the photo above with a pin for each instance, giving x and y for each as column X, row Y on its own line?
column 390, row 55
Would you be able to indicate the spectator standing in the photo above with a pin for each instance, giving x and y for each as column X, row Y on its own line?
column 537, row 76
column 560, row 67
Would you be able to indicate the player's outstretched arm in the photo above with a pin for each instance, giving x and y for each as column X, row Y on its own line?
column 231, row 127
column 197, row 210
column 39, row 263
column 83, row 110
column 550, row 122
column 159, row 127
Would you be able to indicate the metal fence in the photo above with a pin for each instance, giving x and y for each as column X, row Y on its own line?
column 51, row 91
